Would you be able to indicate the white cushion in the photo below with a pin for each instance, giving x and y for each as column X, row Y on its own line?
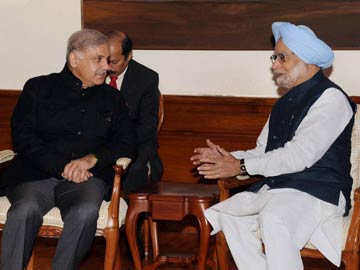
column 53, row 217
column 346, row 226
column 355, row 153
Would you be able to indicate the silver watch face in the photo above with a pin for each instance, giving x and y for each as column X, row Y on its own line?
column 243, row 168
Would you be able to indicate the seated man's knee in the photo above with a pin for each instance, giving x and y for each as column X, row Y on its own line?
column 86, row 213
column 24, row 210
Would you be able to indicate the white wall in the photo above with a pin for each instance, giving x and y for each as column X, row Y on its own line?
column 33, row 35
column 234, row 73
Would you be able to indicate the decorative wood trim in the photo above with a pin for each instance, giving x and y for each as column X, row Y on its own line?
column 8, row 99
column 50, row 231
column 221, row 25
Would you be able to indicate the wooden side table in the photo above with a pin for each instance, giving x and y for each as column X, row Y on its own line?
column 170, row 201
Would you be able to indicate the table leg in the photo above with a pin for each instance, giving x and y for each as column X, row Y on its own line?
column 132, row 219
column 154, row 237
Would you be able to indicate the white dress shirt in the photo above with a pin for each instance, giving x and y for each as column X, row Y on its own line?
column 119, row 79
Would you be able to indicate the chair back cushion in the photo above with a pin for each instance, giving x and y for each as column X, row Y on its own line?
column 355, row 153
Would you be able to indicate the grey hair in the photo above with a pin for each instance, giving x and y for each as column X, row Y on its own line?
column 83, row 39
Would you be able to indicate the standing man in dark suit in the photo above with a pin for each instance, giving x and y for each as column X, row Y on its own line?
column 139, row 85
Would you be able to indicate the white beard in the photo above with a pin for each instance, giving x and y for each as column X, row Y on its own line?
column 290, row 79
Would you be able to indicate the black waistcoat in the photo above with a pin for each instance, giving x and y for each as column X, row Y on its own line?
column 331, row 174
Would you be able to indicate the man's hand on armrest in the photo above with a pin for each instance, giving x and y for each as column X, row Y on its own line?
column 78, row 170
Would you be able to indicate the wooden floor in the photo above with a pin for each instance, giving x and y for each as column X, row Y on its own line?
column 45, row 249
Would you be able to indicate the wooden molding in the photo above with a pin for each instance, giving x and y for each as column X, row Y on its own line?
column 222, row 25
column 8, row 99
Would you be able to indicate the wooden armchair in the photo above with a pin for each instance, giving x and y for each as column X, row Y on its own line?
column 351, row 223
column 111, row 217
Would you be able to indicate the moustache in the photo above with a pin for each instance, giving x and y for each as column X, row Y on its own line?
column 101, row 73
column 278, row 73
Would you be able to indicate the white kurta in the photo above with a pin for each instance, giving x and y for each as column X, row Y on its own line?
column 297, row 217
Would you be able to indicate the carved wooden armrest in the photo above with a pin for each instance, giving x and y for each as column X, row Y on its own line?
column 113, row 211
column 226, row 184
column 357, row 195
column 353, row 237
column 6, row 156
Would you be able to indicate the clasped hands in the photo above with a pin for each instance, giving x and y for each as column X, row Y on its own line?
column 215, row 162
column 78, row 170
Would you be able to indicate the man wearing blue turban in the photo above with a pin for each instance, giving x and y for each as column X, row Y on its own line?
column 303, row 152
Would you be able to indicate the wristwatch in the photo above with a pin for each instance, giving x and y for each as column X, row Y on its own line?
column 243, row 167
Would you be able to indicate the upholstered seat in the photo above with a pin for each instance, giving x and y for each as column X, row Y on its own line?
column 53, row 217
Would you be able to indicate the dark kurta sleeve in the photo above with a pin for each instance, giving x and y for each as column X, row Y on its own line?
column 27, row 141
column 122, row 141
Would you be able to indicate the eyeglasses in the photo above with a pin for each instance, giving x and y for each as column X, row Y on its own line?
column 280, row 56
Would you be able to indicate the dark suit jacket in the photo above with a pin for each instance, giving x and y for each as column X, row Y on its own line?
column 141, row 91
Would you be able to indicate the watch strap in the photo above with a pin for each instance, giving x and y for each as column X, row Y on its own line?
column 243, row 167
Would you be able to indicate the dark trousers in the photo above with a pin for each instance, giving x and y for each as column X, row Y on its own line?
column 79, row 206
column 137, row 174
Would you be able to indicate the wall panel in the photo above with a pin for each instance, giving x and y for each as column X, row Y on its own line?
column 232, row 122
column 222, row 25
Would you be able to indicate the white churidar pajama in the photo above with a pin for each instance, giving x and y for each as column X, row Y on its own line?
column 286, row 218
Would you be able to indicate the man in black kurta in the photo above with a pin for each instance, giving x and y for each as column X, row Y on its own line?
column 68, row 130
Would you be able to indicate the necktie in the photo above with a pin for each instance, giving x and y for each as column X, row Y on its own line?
column 113, row 81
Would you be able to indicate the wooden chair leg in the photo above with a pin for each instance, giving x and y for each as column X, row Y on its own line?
column 154, row 237
column 146, row 232
column 132, row 218
column 30, row 264
column 204, row 228
column 212, row 260
column 112, row 248
column 118, row 260
column 222, row 251
column 351, row 261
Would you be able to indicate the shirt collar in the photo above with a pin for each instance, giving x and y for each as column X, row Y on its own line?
column 70, row 78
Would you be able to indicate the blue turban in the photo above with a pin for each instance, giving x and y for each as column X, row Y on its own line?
column 301, row 40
